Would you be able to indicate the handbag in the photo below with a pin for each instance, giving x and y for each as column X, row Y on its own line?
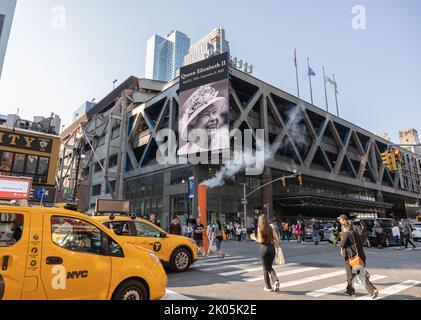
column 355, row 261
column 279, row 256
column 224, row 235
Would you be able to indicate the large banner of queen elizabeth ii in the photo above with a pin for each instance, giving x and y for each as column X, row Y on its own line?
column 203, row 122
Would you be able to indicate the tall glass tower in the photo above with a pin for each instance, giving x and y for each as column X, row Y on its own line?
column 165, row 55
column 7, row 10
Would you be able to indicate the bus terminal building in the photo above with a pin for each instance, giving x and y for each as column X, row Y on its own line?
column 340, row 163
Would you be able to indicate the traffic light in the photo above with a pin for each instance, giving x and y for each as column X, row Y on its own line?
column 389, row 160
column 300, row 180
column 398, row 156
column 283, row 182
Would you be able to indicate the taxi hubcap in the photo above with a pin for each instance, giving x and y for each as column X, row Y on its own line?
column 182, row 260
column 132, row 294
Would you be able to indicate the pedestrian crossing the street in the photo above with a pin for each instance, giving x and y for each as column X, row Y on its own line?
column 322, row 281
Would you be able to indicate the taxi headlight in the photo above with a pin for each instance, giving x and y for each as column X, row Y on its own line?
column 154, row 258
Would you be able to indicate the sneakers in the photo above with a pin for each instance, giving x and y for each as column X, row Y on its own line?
column 375, row 294
column 277, row 286
column 267, row 290
column 350, row 293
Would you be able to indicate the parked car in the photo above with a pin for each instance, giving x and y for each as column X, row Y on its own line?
column 309, row 233
column 385, row 223
column 328, row 231
column 416, row 233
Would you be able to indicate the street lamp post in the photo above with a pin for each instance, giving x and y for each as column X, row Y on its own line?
column 187, row 199
column 245, row 195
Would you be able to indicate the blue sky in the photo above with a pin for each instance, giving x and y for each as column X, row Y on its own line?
column 378, row 69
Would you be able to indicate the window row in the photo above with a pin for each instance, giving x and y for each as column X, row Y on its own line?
column 12, row 163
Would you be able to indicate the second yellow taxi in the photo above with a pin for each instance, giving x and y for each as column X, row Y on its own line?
column 176, row 252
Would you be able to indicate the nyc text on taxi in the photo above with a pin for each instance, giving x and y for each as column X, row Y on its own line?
column 53, row 253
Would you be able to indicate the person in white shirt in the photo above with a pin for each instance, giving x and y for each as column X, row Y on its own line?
column 396, row 234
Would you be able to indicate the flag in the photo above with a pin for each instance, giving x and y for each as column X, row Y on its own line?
column 333, row 83
column 311, row 72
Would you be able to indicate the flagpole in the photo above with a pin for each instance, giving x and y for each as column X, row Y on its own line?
column 296, row 72
column 324, row 81
column 309, row 79
column 336, row 95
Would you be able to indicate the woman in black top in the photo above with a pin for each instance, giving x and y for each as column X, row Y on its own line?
column 351, row 246
column 268, row 239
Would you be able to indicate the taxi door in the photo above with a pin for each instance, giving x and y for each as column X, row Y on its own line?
column 151, row 238
column 14, row 234
column 73, row 263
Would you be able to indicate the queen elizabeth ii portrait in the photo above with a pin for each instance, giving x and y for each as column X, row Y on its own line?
column 203, row 119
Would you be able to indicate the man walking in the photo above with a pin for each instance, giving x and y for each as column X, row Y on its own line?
column 316, row 231
column 198, row 229
column 351, row 247
column 407, row 233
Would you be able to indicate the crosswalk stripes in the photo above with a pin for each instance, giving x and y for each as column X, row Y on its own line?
column 237, row 266
column 171, row 295
column 244, row 270
column 220, row 262
column 231, row 273
column 393, row 290
column 301, row 281
column 338, row 288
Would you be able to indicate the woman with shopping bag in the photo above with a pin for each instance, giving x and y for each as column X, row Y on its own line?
column 268, row 240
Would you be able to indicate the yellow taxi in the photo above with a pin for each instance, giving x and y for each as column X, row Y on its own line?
column 58, row 254
column 175, row 252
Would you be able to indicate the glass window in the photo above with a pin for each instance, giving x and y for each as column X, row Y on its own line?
column 112, row 162
column 76, row 235
column 19, row 163
column 146, row 230
column 96, row 190
column 43, row 166
column 11, row 226
column 6, row 161
column 120, row 228
column 31, row 165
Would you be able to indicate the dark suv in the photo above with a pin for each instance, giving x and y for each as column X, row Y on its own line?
column 385, row 223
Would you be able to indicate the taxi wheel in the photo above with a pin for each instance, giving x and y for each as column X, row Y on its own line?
column 131, row 290
column 181, row 260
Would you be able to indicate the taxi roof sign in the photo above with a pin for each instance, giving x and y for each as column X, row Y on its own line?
column 112, row 206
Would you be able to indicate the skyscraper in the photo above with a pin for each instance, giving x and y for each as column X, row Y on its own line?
column 410, row 136
column 7, row 10
column 212, row 44
column 165, row 56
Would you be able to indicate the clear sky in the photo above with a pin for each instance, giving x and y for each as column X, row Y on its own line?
column 378, row 69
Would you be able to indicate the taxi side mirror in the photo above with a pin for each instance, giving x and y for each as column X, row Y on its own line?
column 163, row 235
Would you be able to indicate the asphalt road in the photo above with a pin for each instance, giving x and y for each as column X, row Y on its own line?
column 310, row 272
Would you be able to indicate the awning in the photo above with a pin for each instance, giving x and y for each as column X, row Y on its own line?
column 316, row 200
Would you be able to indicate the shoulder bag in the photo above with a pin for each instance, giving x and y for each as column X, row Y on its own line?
column 355, row 261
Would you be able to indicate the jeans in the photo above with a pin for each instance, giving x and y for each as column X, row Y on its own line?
column 350, row 276
column 218, row 243
column 267, row 254
column 316, row 236
column 408, row 240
